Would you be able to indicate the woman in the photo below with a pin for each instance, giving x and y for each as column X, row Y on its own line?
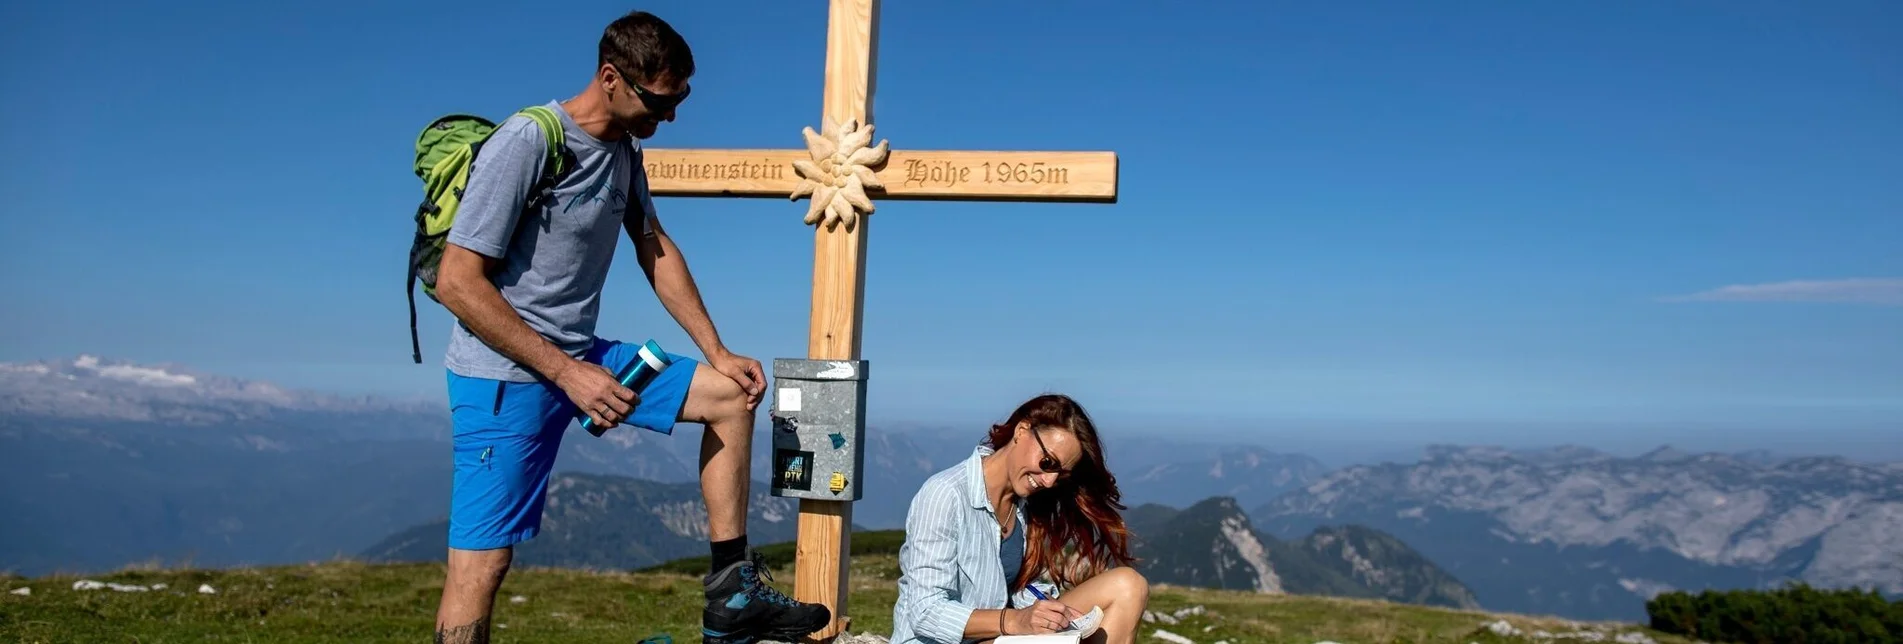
column 962, row 558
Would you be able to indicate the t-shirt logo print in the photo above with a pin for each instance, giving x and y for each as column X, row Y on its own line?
column 592, row 194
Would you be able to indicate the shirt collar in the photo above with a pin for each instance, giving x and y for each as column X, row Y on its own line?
column 975, row 479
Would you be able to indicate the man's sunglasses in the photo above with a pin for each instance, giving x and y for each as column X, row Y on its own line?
column 1047, row 462
column 656, row 103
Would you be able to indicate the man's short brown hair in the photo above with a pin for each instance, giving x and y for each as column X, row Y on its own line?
column 647, row 48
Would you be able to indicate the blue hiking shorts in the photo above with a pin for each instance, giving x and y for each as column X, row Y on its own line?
column 506, row 435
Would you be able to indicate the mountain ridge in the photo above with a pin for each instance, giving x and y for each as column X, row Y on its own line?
column 605, row 521
column 1604, row 533
column 1213, row 544
column 89, row 386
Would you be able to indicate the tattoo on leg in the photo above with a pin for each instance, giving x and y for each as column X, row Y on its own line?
column 476, row 632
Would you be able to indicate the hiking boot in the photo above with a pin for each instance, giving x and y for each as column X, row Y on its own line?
column 741, row 608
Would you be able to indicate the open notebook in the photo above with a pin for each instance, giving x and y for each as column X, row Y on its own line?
column 1084, row 627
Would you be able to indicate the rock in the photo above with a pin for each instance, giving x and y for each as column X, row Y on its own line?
column 88, row 584
column 22, row 591
column 207, row 589
column 867, row 637
column 1579, row 634
column 160, row 586
column 1171, row 637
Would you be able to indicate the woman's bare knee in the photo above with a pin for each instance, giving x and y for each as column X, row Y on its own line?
column 1129, row 585
column 1139, row 585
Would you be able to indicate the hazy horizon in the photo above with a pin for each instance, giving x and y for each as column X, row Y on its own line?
column 1335, row 441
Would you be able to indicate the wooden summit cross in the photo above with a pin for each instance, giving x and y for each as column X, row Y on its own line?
column 840, row 171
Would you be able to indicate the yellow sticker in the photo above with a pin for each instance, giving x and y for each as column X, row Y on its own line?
column 838, row 483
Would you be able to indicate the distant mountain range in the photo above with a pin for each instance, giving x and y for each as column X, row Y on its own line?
column 610, row 523
column 1575, row 532
column 1250, row 475
column 91, row 388
column 105, row 463
column 1213, row 544
column 139, row 462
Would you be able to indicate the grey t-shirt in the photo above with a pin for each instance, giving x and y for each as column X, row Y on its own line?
column 555, row 258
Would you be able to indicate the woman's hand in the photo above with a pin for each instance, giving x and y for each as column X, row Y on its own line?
column 1045, row 616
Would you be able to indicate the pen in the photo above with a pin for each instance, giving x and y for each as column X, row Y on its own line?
column 1040, row 595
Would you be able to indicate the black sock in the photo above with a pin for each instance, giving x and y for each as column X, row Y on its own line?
column 729, row 552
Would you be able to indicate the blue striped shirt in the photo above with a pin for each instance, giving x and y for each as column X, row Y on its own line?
column 949, row 565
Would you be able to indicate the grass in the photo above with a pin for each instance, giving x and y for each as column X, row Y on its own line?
column 864, row 543
column 355, row 602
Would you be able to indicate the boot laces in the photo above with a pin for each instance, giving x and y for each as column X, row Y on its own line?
column 750, row 576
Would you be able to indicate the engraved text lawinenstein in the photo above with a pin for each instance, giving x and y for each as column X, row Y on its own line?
column 679, row 169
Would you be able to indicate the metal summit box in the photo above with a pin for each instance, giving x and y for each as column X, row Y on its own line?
column 818, row 414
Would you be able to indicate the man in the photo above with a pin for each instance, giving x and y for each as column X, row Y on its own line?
column 525, row 285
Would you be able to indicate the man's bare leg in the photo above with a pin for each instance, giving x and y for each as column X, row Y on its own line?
column 726, row 449
column 469, row 594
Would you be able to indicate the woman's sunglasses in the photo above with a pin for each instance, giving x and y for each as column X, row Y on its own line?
column 1047, row 462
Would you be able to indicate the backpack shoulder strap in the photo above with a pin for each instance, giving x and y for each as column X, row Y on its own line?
column 553, row 133
column 555, row 159
column 638, row 186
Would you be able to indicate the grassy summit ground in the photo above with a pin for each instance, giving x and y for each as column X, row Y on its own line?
column 355, row 602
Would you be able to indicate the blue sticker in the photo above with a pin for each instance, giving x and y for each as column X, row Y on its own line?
column 839, row 440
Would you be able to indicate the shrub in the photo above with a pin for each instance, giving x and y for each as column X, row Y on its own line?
column 1794, row 614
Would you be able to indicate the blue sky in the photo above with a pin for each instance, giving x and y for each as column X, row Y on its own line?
column 1391, row 221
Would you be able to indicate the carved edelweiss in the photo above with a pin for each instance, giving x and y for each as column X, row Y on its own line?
column 840, row 173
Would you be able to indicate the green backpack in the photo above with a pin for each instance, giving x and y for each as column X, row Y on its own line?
column 444, row 151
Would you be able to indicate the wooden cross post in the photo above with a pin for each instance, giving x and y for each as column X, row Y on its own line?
column 840, row 171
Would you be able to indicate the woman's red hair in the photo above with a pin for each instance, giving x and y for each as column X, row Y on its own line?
column 1074, row 530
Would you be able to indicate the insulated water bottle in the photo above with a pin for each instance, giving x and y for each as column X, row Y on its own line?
column 649, row 362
